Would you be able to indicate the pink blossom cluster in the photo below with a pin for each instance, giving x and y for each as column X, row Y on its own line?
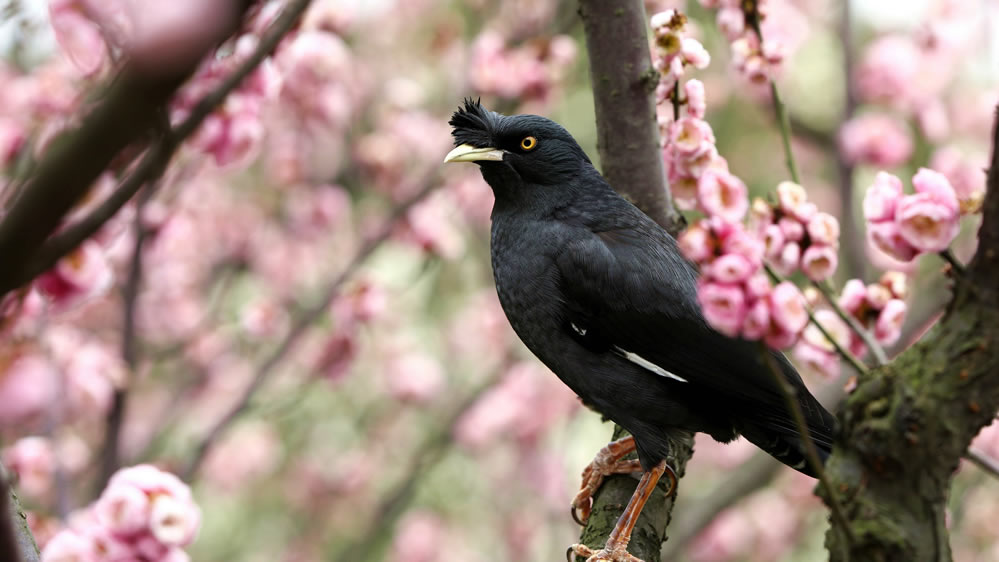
column 876, row 139
column 754, row 57
column 144, row 514
column 796, row 234
column 674, row 51
column 698, row 175
column 529, row 71
column 735, row 294
column 904, row 226
column 879, row 307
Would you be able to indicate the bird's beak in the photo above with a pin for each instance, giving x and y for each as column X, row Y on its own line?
column 469, row 153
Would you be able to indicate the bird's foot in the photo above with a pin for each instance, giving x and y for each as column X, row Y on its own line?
column 617, row 553
column 609, row 460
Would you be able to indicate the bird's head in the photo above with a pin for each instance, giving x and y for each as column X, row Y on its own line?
column 515, row 150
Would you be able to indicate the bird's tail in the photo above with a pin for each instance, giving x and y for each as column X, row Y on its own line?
column 787, row 448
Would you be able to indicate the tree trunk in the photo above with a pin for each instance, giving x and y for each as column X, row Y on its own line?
column 907, row 425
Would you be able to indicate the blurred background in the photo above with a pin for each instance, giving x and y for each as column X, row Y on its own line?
column 404, row 421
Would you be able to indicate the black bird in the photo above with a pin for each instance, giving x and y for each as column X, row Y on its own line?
column 601, row 294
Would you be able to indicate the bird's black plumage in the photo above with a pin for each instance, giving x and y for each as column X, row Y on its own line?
column 601, row 294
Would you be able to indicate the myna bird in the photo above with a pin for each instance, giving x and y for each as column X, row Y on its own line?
column 601, row 294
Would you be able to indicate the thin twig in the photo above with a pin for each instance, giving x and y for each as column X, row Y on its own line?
column 983, row 461
column 955, row 264
column 124, row 115
column 110, row 457
column 844, row 353
column 298, row 328
column 811, row 451
column 872, row 344
column 158, row 156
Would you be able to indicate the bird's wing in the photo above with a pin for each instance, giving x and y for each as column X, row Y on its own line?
column 630, row 290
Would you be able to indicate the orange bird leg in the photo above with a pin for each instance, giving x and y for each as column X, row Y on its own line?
column 609, row 460
column 616, row 549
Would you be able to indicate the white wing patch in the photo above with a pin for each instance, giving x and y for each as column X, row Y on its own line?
column 646, row 364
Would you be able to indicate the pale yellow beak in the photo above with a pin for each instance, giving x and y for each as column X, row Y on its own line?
column 469, row 153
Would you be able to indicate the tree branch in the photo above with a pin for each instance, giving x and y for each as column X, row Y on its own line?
column 127, row 111
column 44, row 256
column 624, row 83
column 298, row 328
column 17, row 544
column 907, row 425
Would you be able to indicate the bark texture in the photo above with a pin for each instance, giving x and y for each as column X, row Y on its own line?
column 623, row 83
column 907, row 425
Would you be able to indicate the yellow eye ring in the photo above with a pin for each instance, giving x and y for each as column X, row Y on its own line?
column 528, row 143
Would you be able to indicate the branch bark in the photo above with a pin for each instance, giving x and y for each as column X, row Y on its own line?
column 17, row 544
column 127, row 111
column 624, row 83
column 907, row 425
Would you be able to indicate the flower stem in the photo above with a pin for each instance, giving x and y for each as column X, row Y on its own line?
column 853, row 323
column 950, row 258
column 843, row 352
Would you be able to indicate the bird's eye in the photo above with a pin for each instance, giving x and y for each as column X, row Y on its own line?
column 528, row 143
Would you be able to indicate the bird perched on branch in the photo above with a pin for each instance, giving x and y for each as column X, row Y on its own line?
column 601, row 294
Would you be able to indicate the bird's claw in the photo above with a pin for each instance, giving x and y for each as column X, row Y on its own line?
column 608, row 461
column 616, row 554
column 583, row 514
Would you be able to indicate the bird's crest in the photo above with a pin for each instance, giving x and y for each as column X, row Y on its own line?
column 473, row 124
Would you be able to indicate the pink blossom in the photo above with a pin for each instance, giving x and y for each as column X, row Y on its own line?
column 823, row 228
column 925, row 223
column 879, row 140
column 887, row 237
column 730, row 268
column 420, row 538
column 788, row 310
column 897, row 282
column 792, row 229
column 83, row 274
column 882, row 198
column 723, row 195
column 877, row 296
column 171, row 35
column 888, row 69
column 937, row 186
column 696, row 102
column 757, row 321
column 69, row 546
column 724, row 306
column 78, row 34
column 967, row 178
column 13, row 135
column 758, row 286
column 415, row 377
column 790, row 196
column 694, row 53
column 172, row 521
column 697, row 243
column 778, row 338
column 33, row 460
column 746, row 245
column 821, row 361
column 731, row 21
column 28, row 386
column 790, row 257
column 851, row 299
column 123, row 509
column 819, row 262
column 888, row 328
column 684, row 191
column 691, row 138
column 773, row 241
